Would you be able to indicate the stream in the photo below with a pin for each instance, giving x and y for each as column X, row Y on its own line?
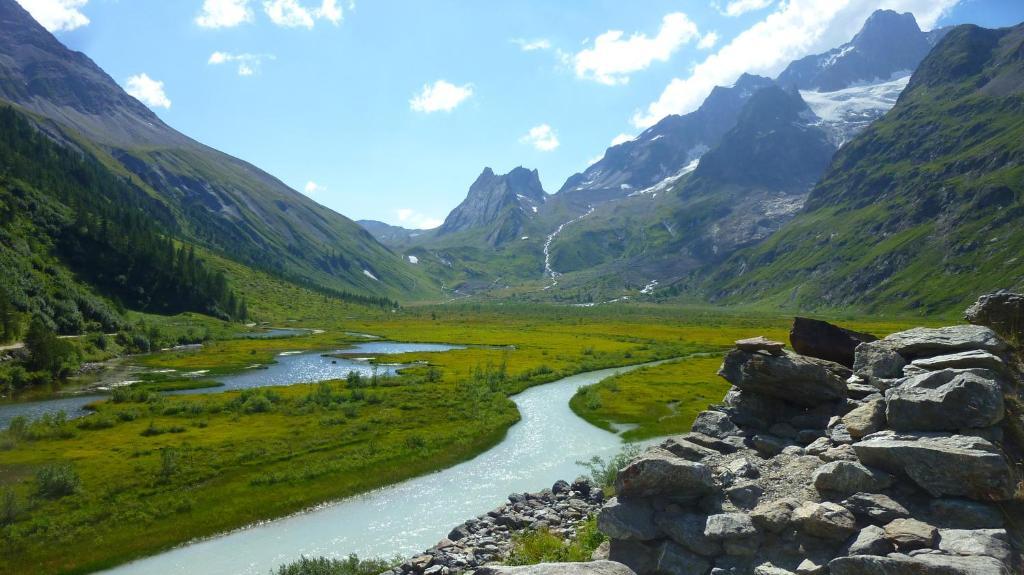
column 408, row 517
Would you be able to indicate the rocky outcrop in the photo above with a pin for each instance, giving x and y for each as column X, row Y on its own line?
column 1002, row 311
column 893, row 467
column 820, row 339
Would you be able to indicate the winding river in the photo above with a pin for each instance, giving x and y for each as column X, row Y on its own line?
column 410, row 516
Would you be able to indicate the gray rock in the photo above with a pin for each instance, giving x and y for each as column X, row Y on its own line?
column 964, row 514
column 591, row 568
column 972, row 358
column 1002, row 311
column 726, row 526
column 659, row 473
column 639, row 556
column 783, row 430
column 989, row 542
column 687, row 529
column 820, row 339
column 561, row 486
column 848, row 477
column 877, row 360
column 601, row 553
column 866, row 419
column 945, row 400
column 761, row 343
column 769, row 569
column 819, row 446
column 923, row 341
column 898, row 564
column 809, row 567
column 825, row 520
column 686, row 449
column 809, row 436
column 714, row 424
column 673, row 559
column 769, row 445
column 843, row 452
column 774, row 516
column 941, row 464
column 631, row 519
column 909, row 534
column 876, row 507
column 742, row 467
column 708, row 441
column 793, row 378
column 871, row 541
column 744, row 495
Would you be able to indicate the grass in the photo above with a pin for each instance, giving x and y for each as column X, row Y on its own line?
column 542, row 546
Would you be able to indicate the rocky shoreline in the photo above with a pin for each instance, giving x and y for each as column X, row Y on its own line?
column 850, row 456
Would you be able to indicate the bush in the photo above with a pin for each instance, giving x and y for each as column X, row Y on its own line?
column 324, row 566
column 603, row 472
column 257, row 404
column 542, row 546
column 57, row 480
column 10, row 507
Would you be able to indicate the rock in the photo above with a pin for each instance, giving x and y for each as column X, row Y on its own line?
column 582, row 485
column 839, row 434
column 561, row 486
column 820, row 339
column 659, row 473
column 631, row 519
column 973, row 358
column 761, row 343
column 666, row 558
column 898, row 564
column 866, row 419
column 673, row 559
column 819, row 446
column 1002, row 311
column 825, row 520
column 687, row 529
column 923, row 341
column 591, row 568
column 769, row 445
column 809, row 436
column 964, row 514
column 769, row 569
column 809, row 567
column 601, row 553
column 436, row 570
column 686, row 449
column 876, row 507
column 941, row 464
column 945, row 400
column 774, row 516
column 726, row 526
column 708, row 441
column 909, row 534
column 848, row 477
column 871, row 541
column 783, row 430
column 742, row 467
column 988, row 542
column 459, row 532
column 796, row 379
column 843, row 452
column 744, row 495
column 714, row 424
column 877, row 360
column 639, row 556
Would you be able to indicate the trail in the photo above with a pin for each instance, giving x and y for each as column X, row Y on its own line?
column 547, row 247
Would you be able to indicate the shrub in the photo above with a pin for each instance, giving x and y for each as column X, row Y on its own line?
column 57, row 480
column 352, row 565
column 10, row 507
column 257, row 404
column 542, row 546
column 603, row 472
column 96, row 422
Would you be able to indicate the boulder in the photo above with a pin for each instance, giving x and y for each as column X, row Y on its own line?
column 686, row 449
column 972, row 358
column 714, row 424
column 761, row 343
column 769, row 569
column 725, row 526
column 849, row 477
column 825, row 520
column 875, row 507
column 866, row 419
column 769, row 445
column 561, row 486
column 909, row 534
column 964, row 514
column 665, row 558
column 810, row 567
column 924, row 341
column 876, row 361
column 774, row 516
column 820, row 339
column 591, row 568
column 945, row 400
column 941, row 464
column 744, row 495
column 899, row 564
column 659, row 473
column 687, row 529
column 707, row 441
column 631, row 519
column 796, row 379
column 742, row 467
column 988, row 542
column 1002, row 311
column 871, row 541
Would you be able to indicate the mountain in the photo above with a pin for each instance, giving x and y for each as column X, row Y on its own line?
column 888, row 46
column 671, row 146
column 388, row 234
column 213, row 199
column 498, row 206
column 923, row 210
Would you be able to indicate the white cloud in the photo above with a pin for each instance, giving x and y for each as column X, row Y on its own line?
column 57, row 15
column 541, row 137
column 532, row 45
column 741, row 7
column 409, row 218
column 312, row 187
column 441, row 96
column 148, row 91
column 794, row 29
column 622, row 139
column 248, row 64
column 288, row 13
column 224, row 13
column 612, row 57
column 708, row 41
column 330, row 11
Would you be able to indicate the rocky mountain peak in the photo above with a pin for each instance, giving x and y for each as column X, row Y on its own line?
column 503, row 200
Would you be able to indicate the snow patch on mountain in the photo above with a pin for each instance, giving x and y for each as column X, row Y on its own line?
column 845, row 113
column 370, row 275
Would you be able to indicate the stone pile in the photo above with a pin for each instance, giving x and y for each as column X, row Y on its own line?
column 904, row 461
column 488, row 538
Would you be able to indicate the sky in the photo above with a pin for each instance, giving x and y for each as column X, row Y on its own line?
column 389, row 110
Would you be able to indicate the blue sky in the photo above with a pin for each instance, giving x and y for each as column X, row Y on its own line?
column 389, row 110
